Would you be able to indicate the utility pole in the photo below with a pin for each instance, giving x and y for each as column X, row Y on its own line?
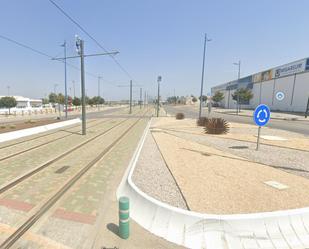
column 99, row 78
column 144, row 99
column 158, row 99
column 175, row 96
column 238, row 99
column 73, row 88
column 140, row 98
column 130, row 97
column 64, row 45
column 202, row 81
column 80, row 48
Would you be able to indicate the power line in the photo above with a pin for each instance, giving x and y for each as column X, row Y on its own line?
column 41, row 53
column 90, row 36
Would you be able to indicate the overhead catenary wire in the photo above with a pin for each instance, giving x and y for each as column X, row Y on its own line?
column 48, row 56
column 90, row 36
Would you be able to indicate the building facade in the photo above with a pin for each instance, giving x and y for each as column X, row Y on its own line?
column 284, row 88
column 24, row 104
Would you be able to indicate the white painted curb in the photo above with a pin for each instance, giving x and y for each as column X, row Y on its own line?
column 280, row 229
column 35, row 130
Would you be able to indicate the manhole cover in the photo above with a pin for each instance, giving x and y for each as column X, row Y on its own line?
column 239, row 147
column 62, row 169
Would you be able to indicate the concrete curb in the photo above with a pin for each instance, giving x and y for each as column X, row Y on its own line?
column 276, row 118
column 35, row 130
column 279, row 229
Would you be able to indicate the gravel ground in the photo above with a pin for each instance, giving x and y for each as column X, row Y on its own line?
column 292, row 161
column 152, row 176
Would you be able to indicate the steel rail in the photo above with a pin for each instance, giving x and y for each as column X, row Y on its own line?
column 10, row 241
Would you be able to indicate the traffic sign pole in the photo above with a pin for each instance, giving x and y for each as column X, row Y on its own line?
column 258, row 138
column 261, row 117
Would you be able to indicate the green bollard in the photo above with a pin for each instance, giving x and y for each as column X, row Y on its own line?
column 124, row 217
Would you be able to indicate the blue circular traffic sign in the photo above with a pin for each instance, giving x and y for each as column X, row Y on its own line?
column 261, row 115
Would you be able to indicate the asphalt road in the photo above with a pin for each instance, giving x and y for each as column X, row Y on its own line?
column 301, row 127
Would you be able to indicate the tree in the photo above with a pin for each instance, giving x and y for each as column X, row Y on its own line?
column 45, row 101
column 204, row 98
column 172, row 100
column 76, row 101
column 60, row 99
column 243, row 95
column 53, row 98
column 97, row 100
column 218, row 96
column 194, row 99
column 8, row 102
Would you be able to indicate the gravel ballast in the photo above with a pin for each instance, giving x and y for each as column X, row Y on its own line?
column 289, row 160
column 152, row 176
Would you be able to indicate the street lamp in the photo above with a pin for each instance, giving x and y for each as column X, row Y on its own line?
column 158, row 99
column 238, row 64
column 203, row 70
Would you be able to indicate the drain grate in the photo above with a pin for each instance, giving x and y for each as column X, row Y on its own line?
column 62, row 169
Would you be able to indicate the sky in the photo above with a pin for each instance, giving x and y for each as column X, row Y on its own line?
column 154, row 37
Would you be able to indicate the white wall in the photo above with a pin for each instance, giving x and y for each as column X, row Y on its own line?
column 294, row 87
column 267, row 92
column 301, row 92
column 284, row 85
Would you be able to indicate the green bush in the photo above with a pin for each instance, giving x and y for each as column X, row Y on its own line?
column 217, row 126
column 202, row 121
column 180, row 115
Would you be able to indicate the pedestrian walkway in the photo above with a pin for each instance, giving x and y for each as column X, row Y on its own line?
column 274, row 115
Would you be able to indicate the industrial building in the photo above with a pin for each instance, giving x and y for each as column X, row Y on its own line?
column 283, row 88
column 23, row 104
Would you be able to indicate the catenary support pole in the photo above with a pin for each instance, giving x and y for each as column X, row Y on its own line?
column 65, row 80
column 83, row 87
column 140, row 98
column 130, row 97
column 202, row 80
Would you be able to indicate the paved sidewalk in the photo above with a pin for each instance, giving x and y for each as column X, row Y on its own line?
column 274, row 115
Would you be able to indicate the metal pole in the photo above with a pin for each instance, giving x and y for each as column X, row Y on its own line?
column 158, row 99
column 140, row 98
column 65, row 80
column 144, row 99
column 99, row 78
column 307, row 110
column 202, row 81
column 258, row 139
column 130, row 97
column 237, row 88
column 73, row 87
column 83, row 87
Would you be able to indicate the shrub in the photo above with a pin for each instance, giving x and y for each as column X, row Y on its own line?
column 202, row 121
column 2, row 126
column 12, row 126
column 30, row 121
column 180, row 115
column 217, row 126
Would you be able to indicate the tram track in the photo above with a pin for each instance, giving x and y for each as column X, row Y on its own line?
column 44, row 135
column 46, row 143
column 44, row 207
